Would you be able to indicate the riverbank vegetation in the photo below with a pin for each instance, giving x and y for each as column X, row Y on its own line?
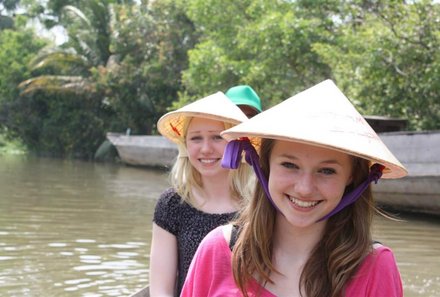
column 11, row 147
column 125, row 63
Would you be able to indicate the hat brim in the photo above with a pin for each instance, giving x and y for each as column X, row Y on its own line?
column 320, row 116
column 391, row 171
column 216, row 107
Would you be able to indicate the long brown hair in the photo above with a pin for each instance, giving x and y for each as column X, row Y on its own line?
column 334, row 260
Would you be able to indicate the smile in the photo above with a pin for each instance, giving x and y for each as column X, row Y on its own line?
column 208, row 161
column 302, row 203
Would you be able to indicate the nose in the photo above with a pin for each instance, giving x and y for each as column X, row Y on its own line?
column 304, row 184
column 206, row 146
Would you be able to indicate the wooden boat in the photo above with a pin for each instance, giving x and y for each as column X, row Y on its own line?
column 420, row 190
column 144, row 150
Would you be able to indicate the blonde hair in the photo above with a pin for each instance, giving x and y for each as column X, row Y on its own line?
column 334, row 260
column 184, row 177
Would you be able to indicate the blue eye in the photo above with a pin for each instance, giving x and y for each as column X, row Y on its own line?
column 196, row 138
column 327, row 171
column 289, row 165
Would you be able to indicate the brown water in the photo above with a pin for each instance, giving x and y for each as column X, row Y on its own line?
column 81, row 229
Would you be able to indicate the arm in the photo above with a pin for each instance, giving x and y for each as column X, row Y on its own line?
column 163, row 263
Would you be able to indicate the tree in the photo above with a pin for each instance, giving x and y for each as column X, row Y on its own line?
column 6, row 21
column 387, row 66
column 266, row 44
column 74, row 116
column 390, row 67
column 8, row 5
column 17, row 48
column 121, row 71
column 151, row 47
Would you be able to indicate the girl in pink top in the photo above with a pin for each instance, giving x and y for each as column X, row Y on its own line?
column 306, row 232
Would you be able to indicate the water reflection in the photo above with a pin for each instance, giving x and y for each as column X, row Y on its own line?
column 415, row 243
column 81, row 229
column 74, row 228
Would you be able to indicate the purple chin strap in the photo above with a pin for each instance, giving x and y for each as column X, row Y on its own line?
column 232, row 158
column 349, row 198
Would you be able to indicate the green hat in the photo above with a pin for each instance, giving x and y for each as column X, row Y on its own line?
column 244, row 95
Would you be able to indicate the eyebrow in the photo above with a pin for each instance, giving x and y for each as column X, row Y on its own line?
column 329, row 162
column 209, row 131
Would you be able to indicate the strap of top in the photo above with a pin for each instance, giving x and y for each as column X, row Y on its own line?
column 234, row 236
column 376, row 244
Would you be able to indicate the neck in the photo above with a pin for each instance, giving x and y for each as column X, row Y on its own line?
column 291, row 249
column 215, row 196
column 297, row 242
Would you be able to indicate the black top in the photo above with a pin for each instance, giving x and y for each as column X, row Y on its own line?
column 188, row 224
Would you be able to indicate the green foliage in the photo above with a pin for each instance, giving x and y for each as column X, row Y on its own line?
column 120, row 69
column 386, row 65
column 391, row 67
column 9, row 4
column 265, row 44
column 6, row 22
column 60, row 62
column 10, row 147
column 59, row 111
column 125, row 64
column 144, row 78
column 17, row 48
column 64, row 126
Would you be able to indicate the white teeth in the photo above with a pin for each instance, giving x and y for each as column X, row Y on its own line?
column 302, row 203
column 208, row 161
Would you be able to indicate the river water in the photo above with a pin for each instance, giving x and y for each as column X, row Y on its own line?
column 71, row 228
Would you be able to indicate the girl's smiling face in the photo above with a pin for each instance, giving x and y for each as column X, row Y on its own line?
column 307, row 182
column 205, row 146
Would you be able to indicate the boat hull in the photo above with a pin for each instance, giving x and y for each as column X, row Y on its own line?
column 420, row 190
column 144, row 150
column 419, row 194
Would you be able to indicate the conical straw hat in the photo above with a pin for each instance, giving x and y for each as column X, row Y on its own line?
column 215, row 107
column 322, row 116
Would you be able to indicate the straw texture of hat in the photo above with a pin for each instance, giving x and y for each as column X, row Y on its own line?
column 323, row 116
column 215, row 107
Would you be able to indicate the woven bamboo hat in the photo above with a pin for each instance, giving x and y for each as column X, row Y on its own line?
column 322, row 116
column 215, row 107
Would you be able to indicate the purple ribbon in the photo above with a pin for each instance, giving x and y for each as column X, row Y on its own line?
column 350, row 198
column 232, row 158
